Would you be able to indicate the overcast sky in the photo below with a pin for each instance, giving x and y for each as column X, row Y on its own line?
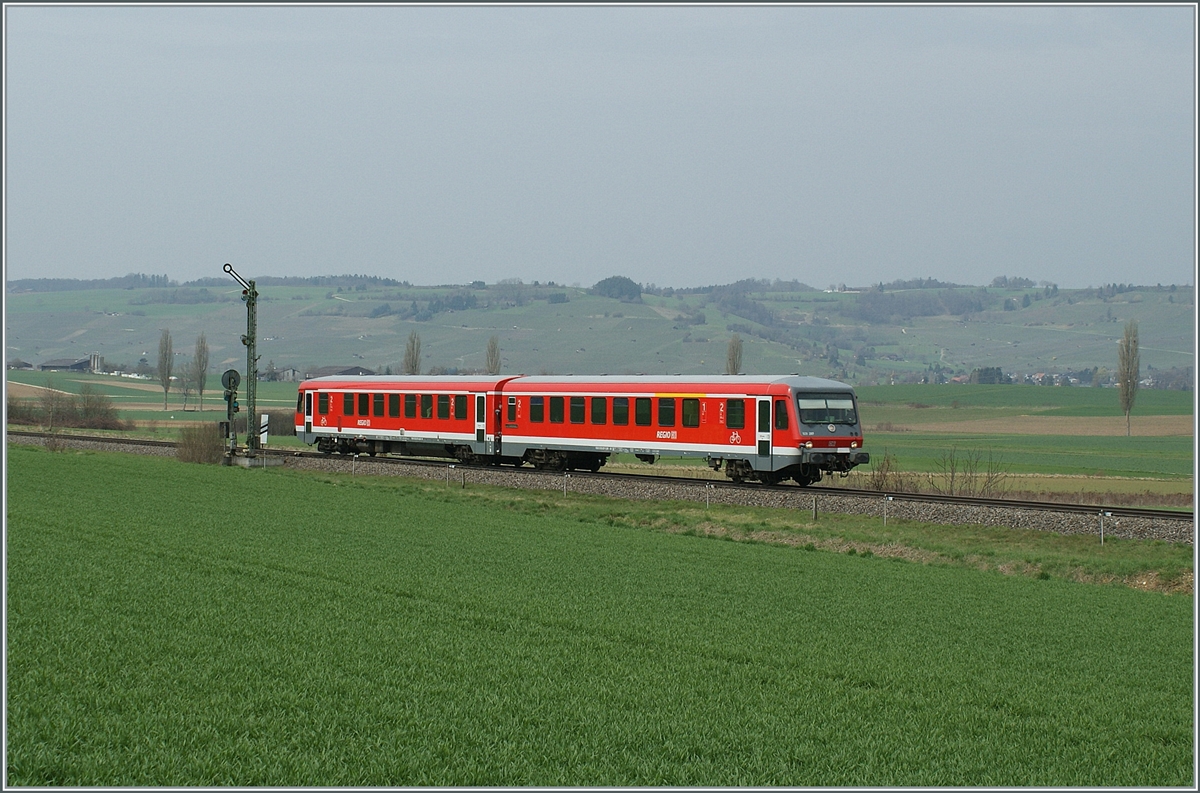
column 679, row 146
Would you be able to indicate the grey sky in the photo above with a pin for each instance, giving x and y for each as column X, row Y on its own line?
column 680, row 146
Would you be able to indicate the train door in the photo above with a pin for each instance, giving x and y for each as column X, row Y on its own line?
column 764, row 434
column 481, row 443
column 308, row 400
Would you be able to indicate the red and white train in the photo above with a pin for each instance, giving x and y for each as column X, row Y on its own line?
column 767, row 429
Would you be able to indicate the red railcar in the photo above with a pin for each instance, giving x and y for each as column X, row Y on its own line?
column 764, row 428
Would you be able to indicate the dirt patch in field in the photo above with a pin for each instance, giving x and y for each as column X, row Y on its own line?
column 668, row 313
column 1144, row 426
column 23, row 391
column 127, row 383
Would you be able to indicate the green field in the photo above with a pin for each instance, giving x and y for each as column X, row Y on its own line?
column 1049, row 454
column 1017, row 400
column 218, row 626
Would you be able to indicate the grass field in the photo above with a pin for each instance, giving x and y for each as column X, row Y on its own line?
column 1023, row 400
column 223, row 626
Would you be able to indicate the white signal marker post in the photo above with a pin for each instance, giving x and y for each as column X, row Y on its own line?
column 262, row 430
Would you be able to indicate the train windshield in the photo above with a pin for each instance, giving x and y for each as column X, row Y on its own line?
column 826, row 409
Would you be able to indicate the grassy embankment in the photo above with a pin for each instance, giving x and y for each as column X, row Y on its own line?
column 203, row 625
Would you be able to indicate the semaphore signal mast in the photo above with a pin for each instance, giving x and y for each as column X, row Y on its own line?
column 250, row 339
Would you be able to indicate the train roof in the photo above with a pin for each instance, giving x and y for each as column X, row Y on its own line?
column 489, row 381
column 798, row 382
column 795, row 381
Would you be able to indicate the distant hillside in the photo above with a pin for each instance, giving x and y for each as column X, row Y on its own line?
column 925, row 331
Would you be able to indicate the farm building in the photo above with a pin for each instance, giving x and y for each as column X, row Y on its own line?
column 92, row 363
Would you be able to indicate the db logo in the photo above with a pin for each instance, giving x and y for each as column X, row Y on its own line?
column 324, row 421
column 735, row 437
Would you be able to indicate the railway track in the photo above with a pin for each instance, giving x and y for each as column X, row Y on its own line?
column 928, row 498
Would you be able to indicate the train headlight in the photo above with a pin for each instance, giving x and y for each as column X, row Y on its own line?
column 853, row 444
column 808, row 445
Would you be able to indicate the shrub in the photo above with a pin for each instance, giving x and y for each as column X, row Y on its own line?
column 281, row 422
column 56, row 409
column 200, row 443
column 21, row 411
column 95, row 410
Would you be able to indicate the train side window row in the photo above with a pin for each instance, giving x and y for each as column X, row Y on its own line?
column 368, row 404
column 374, row 404
column 642, row 411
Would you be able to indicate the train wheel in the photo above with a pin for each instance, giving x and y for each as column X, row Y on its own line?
column 738, row 470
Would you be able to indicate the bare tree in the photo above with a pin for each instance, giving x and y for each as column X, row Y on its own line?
column 200, row 367
column 733, row 356
column 1128, row 369
column 412, row 354
column 166, row 361
column 493, row 355
column 185, row 382
column 53, row 404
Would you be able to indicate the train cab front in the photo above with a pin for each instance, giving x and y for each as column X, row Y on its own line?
column 831, row 437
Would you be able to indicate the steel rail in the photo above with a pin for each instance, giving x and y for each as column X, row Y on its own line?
column 93, row 438
column 935, row 498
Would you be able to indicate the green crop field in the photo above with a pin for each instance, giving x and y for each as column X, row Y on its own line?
column 173, row 624
column 1016, row 399
column 1047, row 454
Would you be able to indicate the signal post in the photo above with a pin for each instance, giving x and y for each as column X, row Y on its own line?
column 250, row 339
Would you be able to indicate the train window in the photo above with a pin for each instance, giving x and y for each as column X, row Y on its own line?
column 364, row 404
column 764, row 416
column 460, row 406
column 666, row 412
column 781, row 419
column 577, row 410
column 394, row 405
column 735, row 413
column 348, row 404
column 512, row 408
column 443, row 406
column 426, row 406
column 600, row 410
column 621, row 410
column 691, row 412
column 834, row 409
column 378, row 405
column 300, row 401
column 323, row 404
column 556, row 410
column 641, row 411
column 537, row 408
column 410, row 406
